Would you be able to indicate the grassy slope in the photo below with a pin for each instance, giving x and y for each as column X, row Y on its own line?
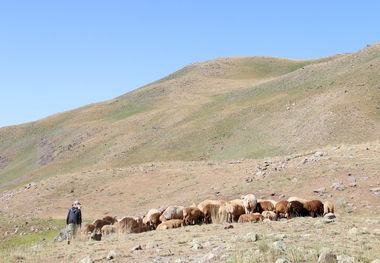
column 228, row 108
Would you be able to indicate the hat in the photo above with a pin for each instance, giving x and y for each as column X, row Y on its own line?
column 76, row 203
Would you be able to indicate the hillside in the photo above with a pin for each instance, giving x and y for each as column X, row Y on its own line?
column 222, row 109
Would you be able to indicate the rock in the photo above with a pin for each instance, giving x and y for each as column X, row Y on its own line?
column 151, row 245
column 209, row 257
column 329, row 216
column 351, row 179
column 376, row 231
column 279, row 245
column 196, row 246
column 345, row 259
column 352, row 184
column 162, row 259
column 138, row 247
column 61, row 236
column 282, row 260
column 338, row 186
column 112, row 255
column 323, row 221
column 320, row 154
column 364, row 178
column 42, row 239
column 282, row 196
column 278, row 236
column 303, row 161
column 229, row 227
column 321, row 190
column 87, row 259
column 249, row 180
column 376, row 189
column 252, row 236
column 327, row 257
column 376, row 261
column 353, row 231
column 179, row 260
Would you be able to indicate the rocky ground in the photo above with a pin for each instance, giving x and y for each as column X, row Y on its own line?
column 349, row 238
column 346, row 175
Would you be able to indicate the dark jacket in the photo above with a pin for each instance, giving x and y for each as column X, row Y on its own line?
column 74, row 216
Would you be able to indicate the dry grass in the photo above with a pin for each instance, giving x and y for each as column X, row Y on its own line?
column 230, row 108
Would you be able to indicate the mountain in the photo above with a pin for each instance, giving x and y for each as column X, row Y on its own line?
column 222, row 109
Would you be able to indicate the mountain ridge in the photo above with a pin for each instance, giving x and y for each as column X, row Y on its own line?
column 226, row 108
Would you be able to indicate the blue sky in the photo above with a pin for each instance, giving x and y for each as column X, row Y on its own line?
column 59, row 55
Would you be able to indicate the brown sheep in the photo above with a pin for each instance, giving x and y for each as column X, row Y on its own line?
column 211, row 212
column 264, row 206
column 314, row 208
column 282, row 209
column 192, row 215
column 89, row 228
column 155, row 220
column 172, row 223
column 255, row 217
column 130, row 225
column 270, row 215
column 110, row 219
column 293, row 198
column 146, row 219
column 109, row 229
column 234, row 209
column 296, row 208
column 328, row 207
column 99, row 223
column 215, row 202
column 96, row 236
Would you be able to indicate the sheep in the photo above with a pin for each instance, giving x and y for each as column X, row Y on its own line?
column 264, row 206
column 215, row 202
column 211, row 212
column 110, row 219
column 130, row 225
column 250, row 203
column 99, row 223
column 234, row 209
column 296, row 208
column 172, row 212
column 270, row 215
column 109, row 229
column 293, row 198
column 89, row 228
column 328, row 207
column 282, row 209
column 155, row 220
column 146, row 219
column 314, row 208
column 255, row 217
column 192, row 215
column 172, row 223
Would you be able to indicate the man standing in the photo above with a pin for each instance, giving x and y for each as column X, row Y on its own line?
column 73, row 220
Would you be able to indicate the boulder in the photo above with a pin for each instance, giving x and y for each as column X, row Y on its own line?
column 87, row 259
column 279, row 245
column 327, row 257
column 329, row 216
column 112, row 255
column 345, row 259
column 62, row 235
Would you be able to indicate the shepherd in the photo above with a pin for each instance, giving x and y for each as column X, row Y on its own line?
column 73, row 220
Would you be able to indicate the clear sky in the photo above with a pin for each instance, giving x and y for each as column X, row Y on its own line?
column 59, row 55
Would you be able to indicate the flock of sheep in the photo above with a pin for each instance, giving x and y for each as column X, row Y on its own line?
column 246, row 209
